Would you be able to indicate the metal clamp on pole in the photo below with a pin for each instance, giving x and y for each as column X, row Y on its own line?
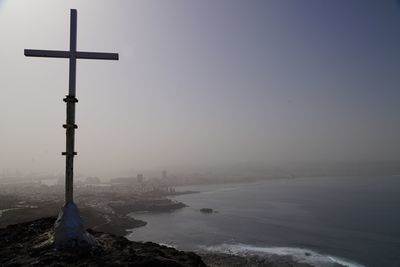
column 69, row 154
column 69, row 126
column 70, row 99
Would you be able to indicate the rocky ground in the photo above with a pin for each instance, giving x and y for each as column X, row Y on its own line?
column 30, row 244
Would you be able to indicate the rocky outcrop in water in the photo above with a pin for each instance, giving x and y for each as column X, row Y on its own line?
column 148, row 205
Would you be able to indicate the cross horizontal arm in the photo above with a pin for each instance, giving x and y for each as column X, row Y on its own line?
column 66, row 54
column 97, row 55
column 46, row 53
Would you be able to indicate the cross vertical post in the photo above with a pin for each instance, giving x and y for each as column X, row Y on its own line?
column 70, row 122
column 72, row 53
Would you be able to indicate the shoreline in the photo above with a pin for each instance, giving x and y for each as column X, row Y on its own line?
column 230, row 260
column 115, row 219
column 248, row 255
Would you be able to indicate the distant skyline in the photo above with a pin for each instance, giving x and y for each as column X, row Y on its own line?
column 201, row 83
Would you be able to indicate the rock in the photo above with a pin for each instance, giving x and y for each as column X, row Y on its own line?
column 31, row 244
column 206, row 210
column 148, row 205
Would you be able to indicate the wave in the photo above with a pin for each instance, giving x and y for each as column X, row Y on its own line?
column 300, row 255
column 345, row 262
column 167, row 245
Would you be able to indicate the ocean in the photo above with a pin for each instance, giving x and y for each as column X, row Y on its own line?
column 354, row 221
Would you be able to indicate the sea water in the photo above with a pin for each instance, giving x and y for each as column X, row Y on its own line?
column 354, row 221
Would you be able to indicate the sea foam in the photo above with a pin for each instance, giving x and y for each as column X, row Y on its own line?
column 298, row 254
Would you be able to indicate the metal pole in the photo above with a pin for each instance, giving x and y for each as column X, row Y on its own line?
column 70, row 122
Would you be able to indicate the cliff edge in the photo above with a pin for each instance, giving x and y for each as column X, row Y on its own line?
column 31, row 244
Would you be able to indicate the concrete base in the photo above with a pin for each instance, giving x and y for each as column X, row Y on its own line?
column 69, row 231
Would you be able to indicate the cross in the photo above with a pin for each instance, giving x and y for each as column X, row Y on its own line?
column 70, row 212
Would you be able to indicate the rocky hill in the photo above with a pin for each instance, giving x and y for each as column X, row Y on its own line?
column 30, row 244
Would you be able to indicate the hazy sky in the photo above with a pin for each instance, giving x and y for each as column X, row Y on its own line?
column 201, row 82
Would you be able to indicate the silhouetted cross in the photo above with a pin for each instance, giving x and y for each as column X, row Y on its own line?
column 70, row 125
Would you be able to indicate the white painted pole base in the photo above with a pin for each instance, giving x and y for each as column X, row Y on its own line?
column 69, row 231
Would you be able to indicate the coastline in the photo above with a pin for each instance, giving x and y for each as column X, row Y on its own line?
column 228, row 260
column 114, row 219
column 245, row 255
column 214, row 197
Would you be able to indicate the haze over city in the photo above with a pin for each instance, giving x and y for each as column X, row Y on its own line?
column 201, row 84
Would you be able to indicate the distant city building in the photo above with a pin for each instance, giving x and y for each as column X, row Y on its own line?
column 123, row 180
column 140, row 178
column 164, row 174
